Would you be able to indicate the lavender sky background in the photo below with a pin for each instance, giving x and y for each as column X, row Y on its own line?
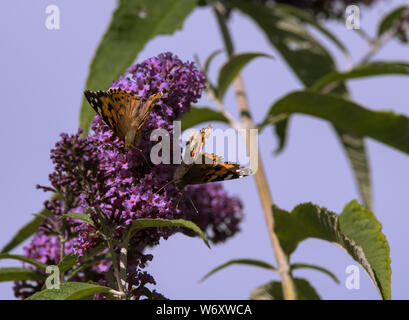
column 43, row 75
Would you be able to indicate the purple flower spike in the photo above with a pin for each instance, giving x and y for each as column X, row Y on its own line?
column 94, row 175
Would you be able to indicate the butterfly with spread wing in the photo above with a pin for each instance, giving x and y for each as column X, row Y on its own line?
column 123, row 112
column 209, row 168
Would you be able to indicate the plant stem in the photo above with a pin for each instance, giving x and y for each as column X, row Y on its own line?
column 62, row 254
column 123, row 260
column 62, row 248
column 265, row 195
column 220, row 11
column 377, row 44
column 115, row 263
column 212, row 95
column 260, row 176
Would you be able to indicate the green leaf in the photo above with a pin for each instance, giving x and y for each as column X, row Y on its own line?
column 355, row 229
column 273, row 291
column 361, row 225
column 368, row 70
column 355, row 149
column 69, row 291
column 388, row 22
column 210, row 59
column 16, row 274
column 384, row 126
column 296, row 266
column 92, row 252
column 310, row 61
column 33, row 262
column 304, row 54
column 133, row 24
column 219, row 13
column 152, row 223
column 307, row 18
column 232, row 68
column 248, row 262
column 79, row 216
column 86, row 264
column 198, row 115
column 26, row 231
column 67, row 262
column 147, row 293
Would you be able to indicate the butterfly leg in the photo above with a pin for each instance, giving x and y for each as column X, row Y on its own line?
column 193, row 205
column 141, row 152
column 180, row 198
column 190, row 199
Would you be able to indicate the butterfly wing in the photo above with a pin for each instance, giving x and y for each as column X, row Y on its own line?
column 195, row 144
column 121, row 110
column 103, row 105
column 213, row 168
column 193, row 150
column 142, row 115
column 116, row 107
column 126, row 107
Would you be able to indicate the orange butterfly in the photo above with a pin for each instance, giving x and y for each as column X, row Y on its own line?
column 122, row 111
column 211, row 168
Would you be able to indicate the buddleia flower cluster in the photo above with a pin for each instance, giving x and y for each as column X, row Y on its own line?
column 94, row 175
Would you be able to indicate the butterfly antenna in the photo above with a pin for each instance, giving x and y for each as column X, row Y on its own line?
column 191, row 201
column 165, row 185
column 193, row 205
column 180, row 198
